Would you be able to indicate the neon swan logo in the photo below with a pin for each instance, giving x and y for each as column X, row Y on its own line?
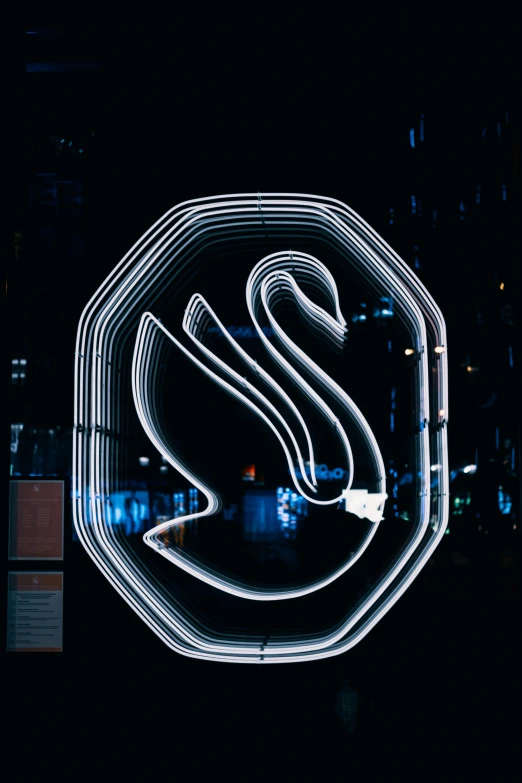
column 272, row 279
column 120, row 341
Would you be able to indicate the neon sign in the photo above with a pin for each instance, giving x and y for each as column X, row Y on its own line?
column 122, row 337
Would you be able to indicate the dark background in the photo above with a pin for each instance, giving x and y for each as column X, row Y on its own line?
column 217, row 101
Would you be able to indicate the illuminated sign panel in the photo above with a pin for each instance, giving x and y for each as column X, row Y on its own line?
column 125, row 335
column 36, row 520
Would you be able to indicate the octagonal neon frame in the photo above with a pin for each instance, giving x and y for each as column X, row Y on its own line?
column 109, row 325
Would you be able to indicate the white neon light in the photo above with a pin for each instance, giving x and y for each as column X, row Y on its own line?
column 364, row 504
column 104, row 331
column 371, row 509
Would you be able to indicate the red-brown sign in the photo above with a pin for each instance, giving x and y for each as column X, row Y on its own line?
column 36, row 520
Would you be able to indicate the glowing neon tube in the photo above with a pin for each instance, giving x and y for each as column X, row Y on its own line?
column 154, row 536
column 104, row 337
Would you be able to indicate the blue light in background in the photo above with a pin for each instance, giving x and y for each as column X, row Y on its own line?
column 179, row 504
column 245, row 332
column 129, row 511
column 412, row 138
column 386, row 311
column 193, row 501
column 60, row 67
column 504, row 501
column 260, row 512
